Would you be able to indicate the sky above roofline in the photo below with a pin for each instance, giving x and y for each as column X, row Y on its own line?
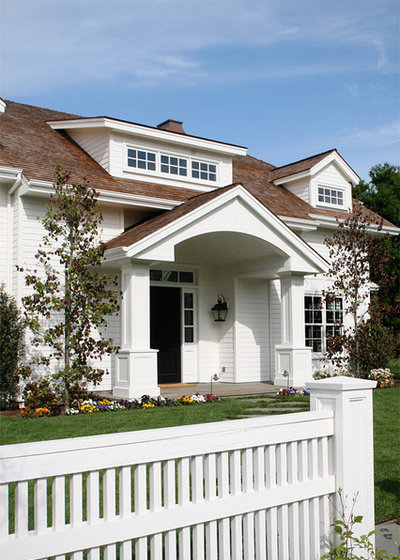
column 286, row 79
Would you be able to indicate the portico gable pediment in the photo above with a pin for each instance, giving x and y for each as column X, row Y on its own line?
column 233, row 210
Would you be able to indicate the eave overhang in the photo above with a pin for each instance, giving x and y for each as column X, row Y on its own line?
column 150, row 133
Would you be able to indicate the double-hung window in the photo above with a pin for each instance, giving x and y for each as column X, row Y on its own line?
column 322, row 320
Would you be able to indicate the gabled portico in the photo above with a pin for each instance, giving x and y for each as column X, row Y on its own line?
column 236, row 247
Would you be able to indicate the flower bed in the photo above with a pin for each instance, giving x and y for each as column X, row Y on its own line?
column 89, row 406
column 382, row 376
column 291, row 392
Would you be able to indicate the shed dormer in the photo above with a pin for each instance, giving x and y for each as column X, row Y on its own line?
column 323, row 181
column 164, row 154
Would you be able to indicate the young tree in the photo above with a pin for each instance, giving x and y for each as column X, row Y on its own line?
column 382, row 195
column 353, row 250
column 71, row 295
column 11, row 347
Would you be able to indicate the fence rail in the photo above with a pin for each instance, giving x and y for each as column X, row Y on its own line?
column 242, row 489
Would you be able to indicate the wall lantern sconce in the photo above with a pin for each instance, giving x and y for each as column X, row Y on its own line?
column 220, row 309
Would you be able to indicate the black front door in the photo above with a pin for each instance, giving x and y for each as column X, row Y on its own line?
column 165, row 332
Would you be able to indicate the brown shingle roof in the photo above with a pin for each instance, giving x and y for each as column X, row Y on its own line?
column 143, row 229
column 298, row 166
column 28, row 142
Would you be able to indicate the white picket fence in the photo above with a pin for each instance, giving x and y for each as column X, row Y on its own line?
column 243, row 489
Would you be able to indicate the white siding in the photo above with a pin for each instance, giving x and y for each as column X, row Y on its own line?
column 5, row 234
column 300, row 188
column 95, row 143
column 118, row 163
column 252, row 331
column 113, row 222
column 331, row 176
column 208, row 333
column 31, row 234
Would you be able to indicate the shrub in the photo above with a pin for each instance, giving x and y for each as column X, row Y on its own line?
column 11, row 348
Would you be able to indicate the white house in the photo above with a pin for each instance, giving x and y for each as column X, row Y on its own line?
column 188, row 221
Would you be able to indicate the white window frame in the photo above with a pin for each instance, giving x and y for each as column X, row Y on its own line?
column 324, row 325
column 331, row 188
column 162, row 174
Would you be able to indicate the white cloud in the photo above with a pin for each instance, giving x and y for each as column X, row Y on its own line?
column 385, row 135
column 50, row 43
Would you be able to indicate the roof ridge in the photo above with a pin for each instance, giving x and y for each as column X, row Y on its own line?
column 7, row 101
column 305, row 159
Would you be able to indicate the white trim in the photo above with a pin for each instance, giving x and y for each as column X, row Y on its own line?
column 329, row 204
column 331, row 222
column 332, row 157
column 299, row 224
column 148, row 132
column 46, row 188
column 10, row 172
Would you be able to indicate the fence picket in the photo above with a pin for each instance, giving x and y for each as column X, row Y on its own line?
column 224, row 544
column 248, row 518
column 140, row 507
column 109, row 503
column 197, row 498
column 76, row 513
column 210, row 495
column 93, row 506
column 125, row 507
column 169, row 503
column 236, row 489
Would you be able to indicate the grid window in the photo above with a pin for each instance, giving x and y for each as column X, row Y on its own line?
column 141, row 159
column 188, row 316
column 334, row 318
column 322, row 321
column 330, row 196
column 204, row 171
column 172, row 276
column 313, row 321
column 173, row 165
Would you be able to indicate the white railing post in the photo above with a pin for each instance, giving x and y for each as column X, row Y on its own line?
column 352, row 454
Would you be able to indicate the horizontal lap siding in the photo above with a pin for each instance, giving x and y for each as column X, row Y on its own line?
column 31, row 235
column 96, row 144
column 252, row 331
column 5, row 234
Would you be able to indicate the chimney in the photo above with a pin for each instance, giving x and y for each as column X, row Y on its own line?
column 172, row 126
column 2, row 106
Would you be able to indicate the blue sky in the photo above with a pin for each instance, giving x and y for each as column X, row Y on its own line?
column 286, row 78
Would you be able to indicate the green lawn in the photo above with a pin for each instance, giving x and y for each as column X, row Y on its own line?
column 386, row 432
column 387, row 454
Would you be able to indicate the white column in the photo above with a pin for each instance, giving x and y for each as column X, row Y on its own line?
column 352, row 450
column 292, row 355
column 136, row 362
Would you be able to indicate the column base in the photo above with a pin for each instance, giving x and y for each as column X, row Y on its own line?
column 297, row 361
column 136, row 374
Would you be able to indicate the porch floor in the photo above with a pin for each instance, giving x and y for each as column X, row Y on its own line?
column 221, row 389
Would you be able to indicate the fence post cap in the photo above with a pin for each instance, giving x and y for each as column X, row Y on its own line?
column 341, row 383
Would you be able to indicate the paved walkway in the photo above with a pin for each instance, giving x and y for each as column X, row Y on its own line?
column 386, row 537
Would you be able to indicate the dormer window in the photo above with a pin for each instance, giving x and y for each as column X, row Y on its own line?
column 176, row 166
column 330, row 197
column 141, row 159
column 173, row 165
column 204, row 171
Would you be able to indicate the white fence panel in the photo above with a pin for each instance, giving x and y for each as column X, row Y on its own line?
column 243, row 489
